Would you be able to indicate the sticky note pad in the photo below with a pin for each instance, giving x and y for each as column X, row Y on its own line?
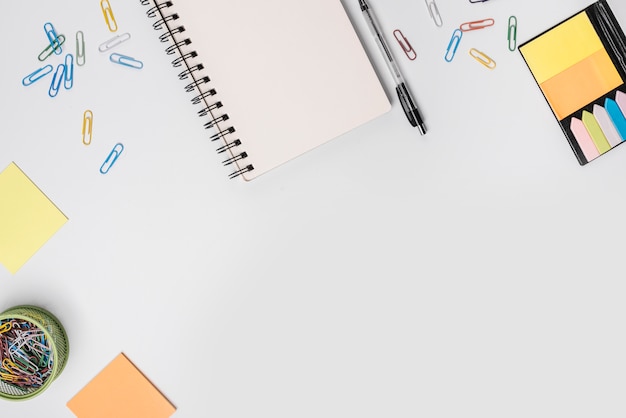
column 120, row 391
column 27, row 218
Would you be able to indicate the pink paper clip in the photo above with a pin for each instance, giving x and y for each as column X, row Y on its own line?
column 477, row 24
column 405, row 45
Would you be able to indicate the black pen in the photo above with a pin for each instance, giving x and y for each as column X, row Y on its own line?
column 406, row 100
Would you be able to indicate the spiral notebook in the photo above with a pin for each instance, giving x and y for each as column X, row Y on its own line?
column 271, row 79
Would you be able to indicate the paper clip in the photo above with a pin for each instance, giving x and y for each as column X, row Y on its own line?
column 36, row 75
column 433, row 10
column 87, row 126
column 512, row 33
column 6, row 327
column 51, row 48
column 56, row 80
column 108, row 15
column 113, row 42
column 52, row 37
column 453, row 45
column 80, row 48
column 126, row 60
column 477, row 24
column 68, row 80
column 405, row 44
column 482, row 58
column 113, row 156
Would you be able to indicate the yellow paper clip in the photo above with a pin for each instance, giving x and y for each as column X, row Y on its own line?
column 6, row 327
column 512, row 33
column 433, row 10
column 9, row 366
column 87, row 126
column 482, row 58
column 108, row 15
column 80, row 48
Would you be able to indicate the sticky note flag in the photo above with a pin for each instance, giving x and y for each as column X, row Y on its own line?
column 27, row 218
column 120, row 391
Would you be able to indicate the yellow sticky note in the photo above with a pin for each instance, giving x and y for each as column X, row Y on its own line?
column 561, row 47
column 120, row 391
column 27, row 218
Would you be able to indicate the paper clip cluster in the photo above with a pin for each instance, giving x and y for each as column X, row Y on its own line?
column 480, row 56
column 26, row 358
column 457, row 34
column 64, row 73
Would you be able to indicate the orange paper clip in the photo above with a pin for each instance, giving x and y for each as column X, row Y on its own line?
column 477, row 24
column 482, row 58
column 405, row 44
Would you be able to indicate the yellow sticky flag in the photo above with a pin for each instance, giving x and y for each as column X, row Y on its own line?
column 27, row 218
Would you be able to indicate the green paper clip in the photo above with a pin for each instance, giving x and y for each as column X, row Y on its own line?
column 80, row 48
column 52, row 48
column 512, row 33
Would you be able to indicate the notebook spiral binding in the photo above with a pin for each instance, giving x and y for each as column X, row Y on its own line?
column 186, row 57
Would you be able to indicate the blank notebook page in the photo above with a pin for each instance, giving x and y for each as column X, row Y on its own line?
column 291, row 74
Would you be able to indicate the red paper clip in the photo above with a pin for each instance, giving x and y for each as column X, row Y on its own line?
column 405, row 45
column 477, row 24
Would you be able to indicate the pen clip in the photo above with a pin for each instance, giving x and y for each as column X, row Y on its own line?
column 405, row 101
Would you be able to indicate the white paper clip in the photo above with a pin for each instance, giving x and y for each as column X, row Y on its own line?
column 113, row 42
column 433, row 10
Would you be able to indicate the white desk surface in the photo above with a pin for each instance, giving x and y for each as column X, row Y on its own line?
column 476, row 271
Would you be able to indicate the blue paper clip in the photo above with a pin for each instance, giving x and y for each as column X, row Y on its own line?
column 113, row 156
column 80, row 48
column 52, row 37
column 68, row 80
column 56, row 80
column 126, row 60
column 453, row 45
column 36, row 75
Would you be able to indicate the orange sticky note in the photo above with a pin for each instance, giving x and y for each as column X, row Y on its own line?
column 580, row 84
column 120, row 391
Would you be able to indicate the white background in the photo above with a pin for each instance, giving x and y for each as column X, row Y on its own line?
column 476, row 271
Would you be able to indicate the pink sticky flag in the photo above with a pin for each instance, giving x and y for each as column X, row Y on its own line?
column 620, row 98
column 584, row 139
